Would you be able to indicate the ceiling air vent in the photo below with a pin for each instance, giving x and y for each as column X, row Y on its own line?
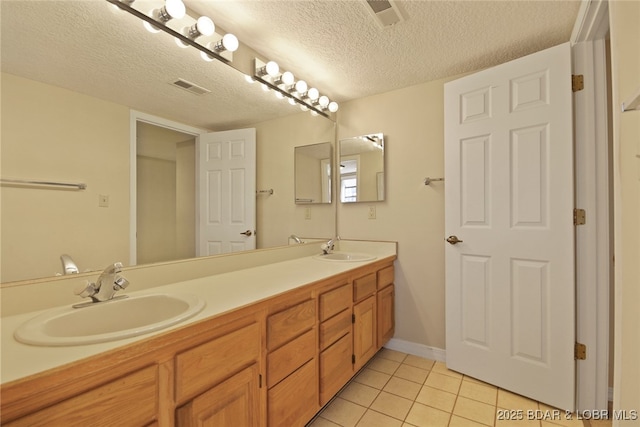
column 191, row 87
column 386, row 12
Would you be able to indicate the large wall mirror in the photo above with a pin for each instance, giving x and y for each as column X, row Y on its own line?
column 67, row 103
column 361, row 161
column 313, row 173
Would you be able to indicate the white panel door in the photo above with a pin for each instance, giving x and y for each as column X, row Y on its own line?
column 226, row 191
column 510, row 304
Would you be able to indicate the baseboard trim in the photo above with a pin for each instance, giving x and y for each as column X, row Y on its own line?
column 416, row 349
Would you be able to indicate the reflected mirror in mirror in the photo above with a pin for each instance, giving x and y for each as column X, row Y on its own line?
column 362, row 168
column 313, row 173
column 67, row 116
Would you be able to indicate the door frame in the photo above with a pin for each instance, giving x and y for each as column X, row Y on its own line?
column 135, row 117
column 592, row 193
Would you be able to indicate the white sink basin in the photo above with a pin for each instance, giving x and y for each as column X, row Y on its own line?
column 109, row 321
column 346, row 257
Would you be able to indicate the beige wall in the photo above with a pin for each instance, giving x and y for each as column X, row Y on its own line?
column 277, row 215
column 50, row 133
column 625, row 57
column 412, row 214
column 156, row 210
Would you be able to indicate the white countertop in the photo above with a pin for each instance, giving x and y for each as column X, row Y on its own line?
column 222, row 293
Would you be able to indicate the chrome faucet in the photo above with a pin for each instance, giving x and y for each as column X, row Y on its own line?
column 327, row 248
column 109, row 282
column 296, row 238
column 68, row 266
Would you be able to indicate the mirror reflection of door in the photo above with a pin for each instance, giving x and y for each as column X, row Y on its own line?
column 165, row 196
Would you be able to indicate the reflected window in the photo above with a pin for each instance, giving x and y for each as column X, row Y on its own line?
column 349, row 180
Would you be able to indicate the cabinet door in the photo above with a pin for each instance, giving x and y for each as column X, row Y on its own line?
column 386, row 315
column 234, row 402
column 365, row 331
column 335, row 368
column 294, row 401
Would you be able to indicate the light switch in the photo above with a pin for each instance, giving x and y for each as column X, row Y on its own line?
column 103, row 201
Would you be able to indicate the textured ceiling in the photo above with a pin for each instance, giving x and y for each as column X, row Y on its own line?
column 89, row 47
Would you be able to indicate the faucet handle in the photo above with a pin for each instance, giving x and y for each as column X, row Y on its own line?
column 120, row 283
column 86, row 290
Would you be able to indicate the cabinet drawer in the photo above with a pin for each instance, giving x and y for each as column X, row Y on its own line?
column 333, row 302
column 335, row 328
column 294, row 401
column 335, row 368
column 385, row 277
column 364, row 286
column 201, row 367
column 288, row 324
column 128, row 401
column 290, row 357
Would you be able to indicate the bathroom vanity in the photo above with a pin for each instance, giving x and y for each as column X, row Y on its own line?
column 268, row 360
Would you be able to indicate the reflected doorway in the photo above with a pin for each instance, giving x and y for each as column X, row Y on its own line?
column 165, row 194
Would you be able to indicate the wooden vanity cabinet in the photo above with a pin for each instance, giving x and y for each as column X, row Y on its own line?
column 335, row 340
column 272, row 363
column 131, row 400
column 365, row 330
column 385, row 305
column 221, row 378
column 292, row 373
column 234, row 402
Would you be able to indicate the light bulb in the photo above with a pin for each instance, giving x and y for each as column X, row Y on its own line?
column 286, row 78
column 323, row 101
column 301, row 86
column 272, row 68
column 149, row 27
column 204, row 26
column 206, row 56
column 228, row 42
column 279, row 95
column 292, row 101
column 249, row 79
column 313, row 94
column 172, row 9
column 333, row 106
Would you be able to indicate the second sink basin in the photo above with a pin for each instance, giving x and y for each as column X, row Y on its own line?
column 346, row 257
column 109, row 321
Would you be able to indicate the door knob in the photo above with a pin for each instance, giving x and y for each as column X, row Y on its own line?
column 247, row 233
column 453, row 240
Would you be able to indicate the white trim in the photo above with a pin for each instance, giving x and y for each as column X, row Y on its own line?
column 416, row 349
column 592, row 22
column 135, row 117
column 592, row 194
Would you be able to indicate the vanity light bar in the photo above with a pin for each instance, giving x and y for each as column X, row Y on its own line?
column 207, row 50
column 270, row 75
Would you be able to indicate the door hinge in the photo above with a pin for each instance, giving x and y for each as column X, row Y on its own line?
column 577, row 82
column 580, row 351
column 353, row 359
column 579, row 217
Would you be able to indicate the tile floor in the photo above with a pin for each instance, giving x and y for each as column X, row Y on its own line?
column 400, row 390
